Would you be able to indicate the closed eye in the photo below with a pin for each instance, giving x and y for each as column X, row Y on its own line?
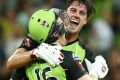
column 73, row 10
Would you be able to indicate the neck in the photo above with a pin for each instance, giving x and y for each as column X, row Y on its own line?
column 57, row 42
column 71, row 37
column 61, row 41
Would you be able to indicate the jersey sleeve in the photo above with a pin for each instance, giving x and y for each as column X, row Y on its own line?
column 28, row 43
column 72, row 65
column 90, row 54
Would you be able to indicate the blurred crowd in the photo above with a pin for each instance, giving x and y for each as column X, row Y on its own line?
column 102, row 33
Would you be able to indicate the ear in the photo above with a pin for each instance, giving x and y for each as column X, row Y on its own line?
column 85, row 20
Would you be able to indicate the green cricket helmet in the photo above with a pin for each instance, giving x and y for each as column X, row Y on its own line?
column 43, row 26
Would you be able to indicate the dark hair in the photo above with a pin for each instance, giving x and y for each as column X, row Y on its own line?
column 88, row 4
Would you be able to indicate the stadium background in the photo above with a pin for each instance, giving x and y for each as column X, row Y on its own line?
column 102, row 33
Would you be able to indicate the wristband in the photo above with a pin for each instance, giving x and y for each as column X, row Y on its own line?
column 32, row 56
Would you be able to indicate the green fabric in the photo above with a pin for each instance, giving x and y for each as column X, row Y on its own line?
column 57, row 72
column 75, row 48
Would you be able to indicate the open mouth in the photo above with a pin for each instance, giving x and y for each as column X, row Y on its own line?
column 74, row 23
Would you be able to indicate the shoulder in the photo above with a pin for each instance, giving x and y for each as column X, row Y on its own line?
column 28, row 43
column 90, row 54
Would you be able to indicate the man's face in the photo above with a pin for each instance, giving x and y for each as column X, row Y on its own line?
column 77, row 13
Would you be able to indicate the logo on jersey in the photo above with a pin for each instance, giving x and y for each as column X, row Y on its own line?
column 78, row 61
column 27, row 42
column 75, row 57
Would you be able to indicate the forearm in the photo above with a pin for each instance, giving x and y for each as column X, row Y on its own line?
column 93, row 77
column 18, row 60
column 88, row 77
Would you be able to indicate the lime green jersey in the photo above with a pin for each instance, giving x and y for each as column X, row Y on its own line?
column 80, row 50
column 43, row 71
column 69, row 69
column 77, row 49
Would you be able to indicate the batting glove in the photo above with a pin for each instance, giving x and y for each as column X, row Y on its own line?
column 49, row 53
column 99, row 68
